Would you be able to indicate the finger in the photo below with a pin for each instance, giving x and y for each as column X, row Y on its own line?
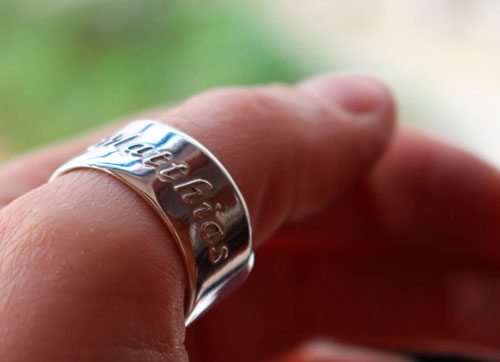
column 85, row 253
column 24, row 173
column 408, row 260
column 318, row 99
column 27, row 172
column 374, row 104
column 321, row 350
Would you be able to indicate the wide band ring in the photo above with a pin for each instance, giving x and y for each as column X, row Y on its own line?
column 194, row 195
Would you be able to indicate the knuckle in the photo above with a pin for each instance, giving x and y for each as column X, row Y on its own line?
column 21, row 227
column 241, row 107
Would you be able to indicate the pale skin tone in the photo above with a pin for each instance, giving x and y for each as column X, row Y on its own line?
column 365, row 235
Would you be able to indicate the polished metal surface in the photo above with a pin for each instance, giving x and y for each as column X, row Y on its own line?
column 192, row 192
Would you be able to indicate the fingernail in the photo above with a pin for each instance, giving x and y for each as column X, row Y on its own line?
column 324, row 350
column 355, row 94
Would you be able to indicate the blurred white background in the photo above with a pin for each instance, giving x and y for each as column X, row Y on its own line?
column 442, row 57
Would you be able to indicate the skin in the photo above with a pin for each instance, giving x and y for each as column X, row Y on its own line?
column 364, row 235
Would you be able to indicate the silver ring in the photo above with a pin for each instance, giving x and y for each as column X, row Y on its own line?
column 194, row 195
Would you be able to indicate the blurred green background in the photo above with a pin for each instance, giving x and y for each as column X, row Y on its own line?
column 66, row 66
column 69, row 65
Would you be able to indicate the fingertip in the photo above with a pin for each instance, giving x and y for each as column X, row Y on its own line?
column 360, row 96
column 365, row 103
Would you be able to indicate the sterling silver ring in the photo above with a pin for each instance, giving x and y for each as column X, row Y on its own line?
column 194, row 195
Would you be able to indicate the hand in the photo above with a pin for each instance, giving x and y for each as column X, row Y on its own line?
column 394, row 250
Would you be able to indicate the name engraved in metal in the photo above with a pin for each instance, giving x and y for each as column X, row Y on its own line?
column 193, row 194
column 191, row 191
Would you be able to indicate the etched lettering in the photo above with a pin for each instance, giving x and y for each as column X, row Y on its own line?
column 173, row 172
column 211, row 232
column 138, row 149
column 217, row 253
column 193, row 192
column 193, row 189
column 205, row 209
column 115, row 140
column 157, row 158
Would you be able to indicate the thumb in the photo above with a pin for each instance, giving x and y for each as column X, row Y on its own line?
column 88, row 270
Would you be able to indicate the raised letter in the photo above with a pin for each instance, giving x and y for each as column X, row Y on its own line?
column 194, row 189
column 216, row 253
column 138, row 149
column 211, row 232
column 115, row 140
column 204, row 210
column 157, row 158
column 174, row 172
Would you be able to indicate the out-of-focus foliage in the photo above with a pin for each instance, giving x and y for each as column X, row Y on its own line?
column 68, row 65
